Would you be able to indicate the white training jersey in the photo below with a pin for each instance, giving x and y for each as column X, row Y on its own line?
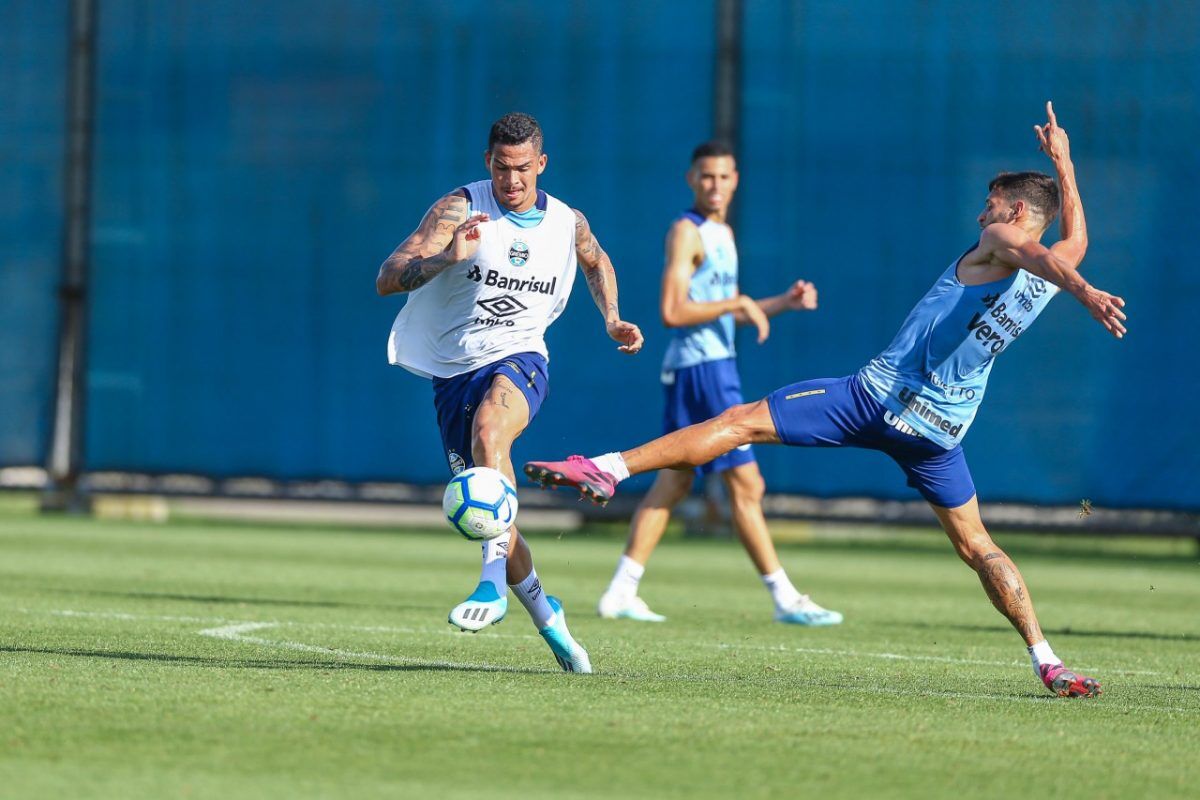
column 495, row 305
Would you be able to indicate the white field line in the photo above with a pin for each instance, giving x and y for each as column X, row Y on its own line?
column 236, row 632
column 823, row 651
column 783, row 648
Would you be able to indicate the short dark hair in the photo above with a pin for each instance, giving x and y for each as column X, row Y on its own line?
column 1037, row 189
column 515, row 128
column 711, row 149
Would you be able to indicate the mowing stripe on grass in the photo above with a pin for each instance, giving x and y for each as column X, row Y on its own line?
column 819, row 651
column 237, row 632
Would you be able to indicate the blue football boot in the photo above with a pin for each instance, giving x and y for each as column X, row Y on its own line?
column 570, row 654
column 805, row 612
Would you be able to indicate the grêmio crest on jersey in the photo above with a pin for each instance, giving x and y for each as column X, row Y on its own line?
column 518, row 253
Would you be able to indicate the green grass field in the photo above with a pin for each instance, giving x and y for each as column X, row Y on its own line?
column 224, row 660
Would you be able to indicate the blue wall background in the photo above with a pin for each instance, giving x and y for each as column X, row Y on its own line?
column 869, row 142
column 255, row 163
column 33, row 59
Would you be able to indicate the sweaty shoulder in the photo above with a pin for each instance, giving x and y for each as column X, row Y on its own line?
column 684, row 227
column 453, row 199
column 1001, row 234
column 683, row 237
column 983, row 263
column 997, row 236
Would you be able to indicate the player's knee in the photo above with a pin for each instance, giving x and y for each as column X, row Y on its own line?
column 489, row 441
column 668, row 490
column 736, row 421
column 676, row 491
column 972, row 547
column 747, row 489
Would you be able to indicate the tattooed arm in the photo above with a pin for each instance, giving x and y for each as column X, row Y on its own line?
column 444, row 238
column 602, row 283
column 597, row 268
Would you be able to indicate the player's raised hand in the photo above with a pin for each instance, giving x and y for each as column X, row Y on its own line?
column 802, row 296
column 756, row 316
column 1105, row 308
column 465, row 243
column 1052, row 140
column 628, row 334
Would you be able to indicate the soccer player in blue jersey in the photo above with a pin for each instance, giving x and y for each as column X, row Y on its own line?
column 916, row 400
column 701, row 304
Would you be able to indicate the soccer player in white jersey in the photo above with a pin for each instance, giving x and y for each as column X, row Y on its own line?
column 916, row 400
column 488, row 269
column 701, row 304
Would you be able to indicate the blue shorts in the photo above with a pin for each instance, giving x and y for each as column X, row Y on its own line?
column 697, row 393
column 838, row 412
column 457, row 398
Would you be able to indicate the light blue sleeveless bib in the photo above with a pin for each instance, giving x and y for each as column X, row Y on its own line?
column 934, row 373
column 715, row 279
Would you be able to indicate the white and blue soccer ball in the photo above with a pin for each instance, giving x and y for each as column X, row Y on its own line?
column 480, row 503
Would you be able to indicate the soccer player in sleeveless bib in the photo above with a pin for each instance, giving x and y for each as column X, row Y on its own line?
column 701, row 304
column 487, row 271
column 916, row 400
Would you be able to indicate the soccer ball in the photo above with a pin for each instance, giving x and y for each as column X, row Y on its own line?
column 480, row 503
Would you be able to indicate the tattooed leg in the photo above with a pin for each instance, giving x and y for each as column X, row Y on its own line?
column 999, row 575
column 1004, row 585
column 502, row 416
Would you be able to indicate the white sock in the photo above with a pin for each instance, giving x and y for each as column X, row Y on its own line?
column 1041, row 653
column 782, row 591
column 625, row 580
column 495, row 562
column 613, row 464
column 531, row 595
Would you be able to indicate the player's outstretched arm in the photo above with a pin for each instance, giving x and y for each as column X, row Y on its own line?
column 800, row 296
column 1013, row 247
column 1058, row 264
column 445, row 237
column 1053, row 141
column 684, row 251
column 602, row 283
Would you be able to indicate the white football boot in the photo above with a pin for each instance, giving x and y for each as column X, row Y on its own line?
column 623, row 606
column 805, row 612
column 484, row 607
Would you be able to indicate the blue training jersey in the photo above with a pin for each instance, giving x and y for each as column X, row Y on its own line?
column 934, row 373
column 715, row 279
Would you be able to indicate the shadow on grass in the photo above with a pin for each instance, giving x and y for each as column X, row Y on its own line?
column 1017, row 545
column 1098, row 633
column 271, row 663
column 241, row 601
